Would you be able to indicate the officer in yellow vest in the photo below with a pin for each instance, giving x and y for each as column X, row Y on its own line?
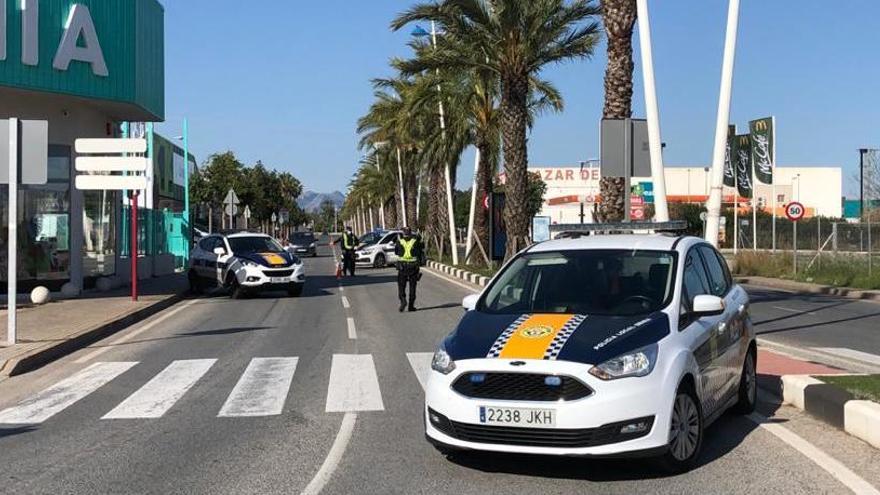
column 409, row 254
column 349, row 242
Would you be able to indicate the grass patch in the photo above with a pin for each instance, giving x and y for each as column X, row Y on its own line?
column 862, row 387
column 835, row 270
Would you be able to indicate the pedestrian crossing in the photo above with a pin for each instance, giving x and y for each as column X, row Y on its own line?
column 262, row 390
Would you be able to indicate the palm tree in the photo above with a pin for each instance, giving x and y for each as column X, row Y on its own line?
column 619, row 17
column 515, row 40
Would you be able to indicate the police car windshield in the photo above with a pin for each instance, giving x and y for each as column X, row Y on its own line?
column 601, row 282
column 256, row 244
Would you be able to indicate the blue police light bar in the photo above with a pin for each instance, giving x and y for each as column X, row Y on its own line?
column 418, row 32
column 577, row 229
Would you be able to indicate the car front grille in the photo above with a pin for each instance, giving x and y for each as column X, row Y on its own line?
column 540, row 437
column 277, row 273
column 520, row 386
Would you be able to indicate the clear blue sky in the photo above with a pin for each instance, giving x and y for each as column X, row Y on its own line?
column 285, row 84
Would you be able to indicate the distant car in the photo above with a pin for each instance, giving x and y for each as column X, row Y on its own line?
column 601, row 346
column 303, row 243
column 379, row 252
column 245, row 264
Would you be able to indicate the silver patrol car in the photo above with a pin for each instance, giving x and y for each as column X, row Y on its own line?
column 245, row 264
column 604, row 345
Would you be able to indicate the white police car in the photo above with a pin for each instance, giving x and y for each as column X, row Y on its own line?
column 245, row 264
column 596, row 346
column 378, row 251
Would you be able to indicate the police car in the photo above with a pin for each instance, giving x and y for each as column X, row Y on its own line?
column 606, row 345
column 244, row 263
column 379, row 250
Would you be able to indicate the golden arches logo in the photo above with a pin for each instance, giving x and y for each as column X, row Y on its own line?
column 761, row 125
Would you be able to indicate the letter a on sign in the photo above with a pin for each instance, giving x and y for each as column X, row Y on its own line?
column 80, row 25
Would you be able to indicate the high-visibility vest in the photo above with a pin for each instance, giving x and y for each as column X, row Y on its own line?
column 408, row 246
column 347, row 241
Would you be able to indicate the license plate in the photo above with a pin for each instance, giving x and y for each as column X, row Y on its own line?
column 279, row 280
column 510, row 416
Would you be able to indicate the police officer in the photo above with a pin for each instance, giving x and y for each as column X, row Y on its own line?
column 349, row 242
column 408, row 249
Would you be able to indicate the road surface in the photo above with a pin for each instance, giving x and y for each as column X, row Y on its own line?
column 322, row 394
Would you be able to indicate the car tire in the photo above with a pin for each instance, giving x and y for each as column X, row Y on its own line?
column 379, row 261
column 195, row 282
column 685, row 432
column 295, row 290
column 748, row 386
column 236, row 291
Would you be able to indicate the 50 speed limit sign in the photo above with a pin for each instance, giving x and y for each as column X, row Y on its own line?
column 795, row 211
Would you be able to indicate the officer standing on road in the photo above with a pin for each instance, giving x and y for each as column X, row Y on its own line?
column 349, row 242
column 409, row 254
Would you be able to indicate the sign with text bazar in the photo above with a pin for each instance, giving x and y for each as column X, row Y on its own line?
column 111, row 164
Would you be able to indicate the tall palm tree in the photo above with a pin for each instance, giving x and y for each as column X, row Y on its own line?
column 513, row 39
column 619, row 17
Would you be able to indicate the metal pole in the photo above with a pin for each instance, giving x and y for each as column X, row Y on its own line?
column 627, row 180
column 402, row 197
column 862, row 183
column 473, row 213
column 661, row 210
column 12, row 242
column 714, row 203
column 186, row 214
column 773, row 184
column 134, row 245
column 446, row 174
column 382, row 201
column 794, row 245
column 735, row 213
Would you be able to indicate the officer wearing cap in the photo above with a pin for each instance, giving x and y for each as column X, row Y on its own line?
column 408, row 249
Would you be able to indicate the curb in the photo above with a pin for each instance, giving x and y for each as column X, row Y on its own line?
column 808, row 288
column 42, row 356
column 460, row 274
column 834, row 406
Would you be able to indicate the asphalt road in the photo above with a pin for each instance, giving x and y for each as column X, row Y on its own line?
column 188, row 402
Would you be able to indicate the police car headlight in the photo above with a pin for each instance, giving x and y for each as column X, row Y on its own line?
column 249, row 264
column 637, row 363
column 442, row 362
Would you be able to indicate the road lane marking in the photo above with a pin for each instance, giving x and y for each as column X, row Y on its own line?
column 352, row 331
column 851, row 354
column 421, row 365
column 354, row 385
column 791, row 310
column 473, row 290
column 157, row 396
column 840, row 472
column 345, row 303
column 129, row 336
column 334, row 457
column 63, row 394
column 262, row 388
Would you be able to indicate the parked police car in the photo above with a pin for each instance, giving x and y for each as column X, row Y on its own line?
column 244, row 263
column 379, row 251
column 597, row 346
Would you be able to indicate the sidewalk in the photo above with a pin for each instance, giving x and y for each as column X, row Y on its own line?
column 772, row 365
column 48, row 332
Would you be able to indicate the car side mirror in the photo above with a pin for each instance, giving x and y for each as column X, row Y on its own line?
column 469, row 303
column 707, row 305
column 219, row 251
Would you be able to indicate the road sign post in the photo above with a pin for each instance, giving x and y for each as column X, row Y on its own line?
column 109, row 156
column 247, row 216
column 231, row 202
column 12, row 241
column 794, row 211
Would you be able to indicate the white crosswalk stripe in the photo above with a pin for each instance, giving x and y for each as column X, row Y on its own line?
column 354, row 385
column 262, row 389
column 421, row 365
column 157, row 396
column 63, row 394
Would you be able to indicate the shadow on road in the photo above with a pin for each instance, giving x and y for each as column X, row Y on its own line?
column 224, row 331
column 8, row 432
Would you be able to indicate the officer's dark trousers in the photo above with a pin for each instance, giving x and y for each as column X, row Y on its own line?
column 407, row 273
column 348, row 262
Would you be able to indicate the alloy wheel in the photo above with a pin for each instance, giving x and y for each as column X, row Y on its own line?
column 685, row 428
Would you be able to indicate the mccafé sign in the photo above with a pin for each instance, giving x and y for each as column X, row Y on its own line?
column 98, row 49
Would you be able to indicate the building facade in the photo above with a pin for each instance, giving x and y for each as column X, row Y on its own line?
column 84, row 67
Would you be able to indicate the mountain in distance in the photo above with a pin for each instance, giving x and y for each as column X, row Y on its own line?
column 310, row 201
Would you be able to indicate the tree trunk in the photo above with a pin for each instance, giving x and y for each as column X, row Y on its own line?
column 514, row 120
column 411, row 187
column 619, row 17
column 391, row 209
column 484, row 188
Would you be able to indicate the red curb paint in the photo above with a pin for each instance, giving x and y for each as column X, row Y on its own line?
column 775, row 364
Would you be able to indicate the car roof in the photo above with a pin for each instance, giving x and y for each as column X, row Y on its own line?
column 648, row 242
column 244, row 234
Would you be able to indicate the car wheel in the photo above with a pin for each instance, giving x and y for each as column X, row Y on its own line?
column 748, row 386
column 379, row 261
column 685, row 432
column 236, row 291
column 195, row 283
column 295, row 290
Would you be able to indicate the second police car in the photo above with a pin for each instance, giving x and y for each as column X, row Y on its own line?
column 599, row 346
column 245, row 264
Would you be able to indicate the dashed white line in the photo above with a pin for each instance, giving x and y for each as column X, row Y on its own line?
column 352, row 331
column 334, row 457
column 840, row 472
column 345, row 303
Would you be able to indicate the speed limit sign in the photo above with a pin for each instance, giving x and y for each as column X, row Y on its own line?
column 794, row 211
